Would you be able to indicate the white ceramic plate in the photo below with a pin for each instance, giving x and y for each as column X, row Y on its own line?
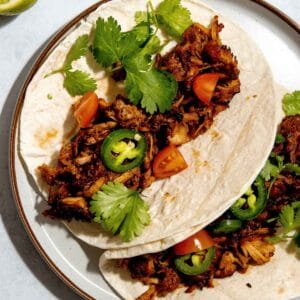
column 73, row 261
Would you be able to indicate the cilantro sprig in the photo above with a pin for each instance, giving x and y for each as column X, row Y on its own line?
column 76, row 82
column 291, row 103
column 133, row 50
column 170, row 16
column 120, row 210
column 173, row 17
column 289, row 218
column 274, row 166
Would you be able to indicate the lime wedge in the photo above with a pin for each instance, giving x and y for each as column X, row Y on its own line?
column 13, row 7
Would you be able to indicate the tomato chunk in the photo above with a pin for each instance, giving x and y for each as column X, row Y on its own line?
column 204, row 86
column 86, row 110
column 169, row 161
column 199, row 241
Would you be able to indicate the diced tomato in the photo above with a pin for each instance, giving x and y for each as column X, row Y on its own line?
column 169, row 161
column 86, row 111
column 199, row 241
column 204, row 86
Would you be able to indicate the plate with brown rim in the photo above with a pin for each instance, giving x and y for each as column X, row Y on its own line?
column 75, row 262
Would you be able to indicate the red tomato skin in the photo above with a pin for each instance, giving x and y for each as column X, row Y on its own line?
column 169, row 161
column 86, row 110
column 204, row 86
column 201, row 240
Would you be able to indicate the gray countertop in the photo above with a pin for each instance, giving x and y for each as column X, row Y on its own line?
column 23, row 274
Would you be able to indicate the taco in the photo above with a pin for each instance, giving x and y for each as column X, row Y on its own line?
column 210, row 138
column 235, row 256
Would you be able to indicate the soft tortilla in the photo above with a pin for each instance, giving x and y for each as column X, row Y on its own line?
column 222, row 163
column 278, row 279
column 274, row 280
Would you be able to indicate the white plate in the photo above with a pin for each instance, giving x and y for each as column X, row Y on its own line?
column 73, row 261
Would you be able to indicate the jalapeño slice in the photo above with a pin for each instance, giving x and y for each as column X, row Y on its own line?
column 227, row 226
column 255, row 203
column 191, row 264
column 123, row 150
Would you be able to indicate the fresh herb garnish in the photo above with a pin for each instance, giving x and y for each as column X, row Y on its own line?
column 173, row 17
column 120, row 210
column 110, row 45
column 279, row 139
column 134, row 49
column 146, row 87
column 106, row 41
column 274, row 166
column 270, row 170
column 76, row 82
column 170, row 16
column 289, row 219
column 78, row 49
column 291, row 103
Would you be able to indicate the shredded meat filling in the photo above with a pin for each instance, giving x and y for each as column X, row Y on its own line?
column 80, row 171
column 235, row 252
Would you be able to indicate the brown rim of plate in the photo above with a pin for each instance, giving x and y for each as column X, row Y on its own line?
column 14, row 125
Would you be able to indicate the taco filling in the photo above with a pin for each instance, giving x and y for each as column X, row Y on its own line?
column 121, row 142
column 143, row 122
column 243, row 236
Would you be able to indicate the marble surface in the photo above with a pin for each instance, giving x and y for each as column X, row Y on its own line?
column 23, row 274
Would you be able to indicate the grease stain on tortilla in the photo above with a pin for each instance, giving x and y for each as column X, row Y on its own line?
column 168, row 197
column 216, row 135
column 199, row 164
column 44, row 138
column 280, row 290
column 251, row 97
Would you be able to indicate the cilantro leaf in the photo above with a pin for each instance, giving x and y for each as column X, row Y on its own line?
column 141, row 60
column 76, row 82
column 78, row 49
column 291, row 103
column 279, row 139
column 111, row 45
column 143, row 16
column 79, row 83
column 106, row 41
column 132, row 40
column 141, row 32
column 154, row 89
column 292, row 168
column 286, row 217
column 269, row 171
column 120, row 210
column 173, row 17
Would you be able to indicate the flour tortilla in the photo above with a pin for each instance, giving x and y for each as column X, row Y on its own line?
column 278, row 279
column 222, row 163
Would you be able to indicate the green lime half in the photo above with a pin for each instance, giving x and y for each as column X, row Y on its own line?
column 14, row 7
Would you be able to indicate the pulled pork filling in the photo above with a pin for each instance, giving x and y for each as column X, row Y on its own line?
column 235, row 252
column 80, row 172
